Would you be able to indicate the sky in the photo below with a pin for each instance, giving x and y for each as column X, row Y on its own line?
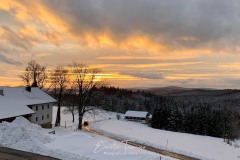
column 137, row 43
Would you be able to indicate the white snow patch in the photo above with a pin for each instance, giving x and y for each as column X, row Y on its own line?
column 84, row 143
column 203, row 147
column 26, row 136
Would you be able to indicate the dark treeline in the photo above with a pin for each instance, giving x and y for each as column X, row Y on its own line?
column 198, row 118
column 171, row 113
column 121, row 100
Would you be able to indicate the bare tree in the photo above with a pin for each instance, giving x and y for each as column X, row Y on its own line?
column 59, row 79
column 34, row 75
column 86, row 80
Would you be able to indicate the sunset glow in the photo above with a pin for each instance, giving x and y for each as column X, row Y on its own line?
column 135, row 43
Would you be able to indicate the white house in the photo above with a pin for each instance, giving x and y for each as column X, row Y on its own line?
column 138, row 116
column 31, row 102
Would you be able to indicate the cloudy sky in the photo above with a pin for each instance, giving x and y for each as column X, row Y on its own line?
column 137, row 43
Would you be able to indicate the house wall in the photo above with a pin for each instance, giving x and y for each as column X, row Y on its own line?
column 42, row 115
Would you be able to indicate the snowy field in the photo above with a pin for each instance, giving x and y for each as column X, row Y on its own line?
column 95, row 146
column 69, row 144
column 203, row 147
column 81, row 145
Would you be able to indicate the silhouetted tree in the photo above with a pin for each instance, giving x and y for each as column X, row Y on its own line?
column 86, row 79
column 34, row 75
column 59, row 79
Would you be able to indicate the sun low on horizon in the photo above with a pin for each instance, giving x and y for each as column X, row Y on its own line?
column 137, row 43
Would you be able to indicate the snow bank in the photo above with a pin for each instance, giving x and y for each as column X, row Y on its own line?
column 26, row 136
column 21, row 132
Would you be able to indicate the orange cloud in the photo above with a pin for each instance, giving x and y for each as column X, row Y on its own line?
column 230, row 66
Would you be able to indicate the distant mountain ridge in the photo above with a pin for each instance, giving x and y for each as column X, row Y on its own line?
column 168, row 90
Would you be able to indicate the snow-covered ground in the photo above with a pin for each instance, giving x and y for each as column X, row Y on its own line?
column 23, row 135
column 95, row 146
column 98, row 147
column 203, row 147
column 69, row 144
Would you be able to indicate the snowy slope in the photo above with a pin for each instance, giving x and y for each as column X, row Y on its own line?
column 100, row 148
column 68, row 144
column 85, row 143
column 202, row 147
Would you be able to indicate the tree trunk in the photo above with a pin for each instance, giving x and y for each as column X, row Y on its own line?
column 58, row 118
column 80, row 121
column 73, row 117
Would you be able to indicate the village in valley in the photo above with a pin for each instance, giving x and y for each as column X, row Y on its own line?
column 119, row 80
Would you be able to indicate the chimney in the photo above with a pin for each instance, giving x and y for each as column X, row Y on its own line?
column 1, row 92
column 28, row 88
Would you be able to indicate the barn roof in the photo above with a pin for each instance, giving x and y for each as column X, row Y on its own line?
column 15, row 101
column 139, row 114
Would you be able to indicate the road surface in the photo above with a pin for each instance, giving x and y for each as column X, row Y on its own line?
column 149, row 148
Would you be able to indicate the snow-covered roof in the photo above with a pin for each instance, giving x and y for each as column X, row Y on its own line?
column 36, row 96
column 140, row 114
column 16, row 100
column 10, row 108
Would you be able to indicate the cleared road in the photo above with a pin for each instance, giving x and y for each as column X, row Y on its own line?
column 148, row 148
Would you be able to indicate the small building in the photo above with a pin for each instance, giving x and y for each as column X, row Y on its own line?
column 31, row 103
column 138, row 116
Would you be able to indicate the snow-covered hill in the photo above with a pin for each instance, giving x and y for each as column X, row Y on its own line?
column 203, row 147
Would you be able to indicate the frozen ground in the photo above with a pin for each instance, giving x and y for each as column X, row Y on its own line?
column 81, row 145
column 203, row 147
column 99, row 148
column 95, row 146
column 68, row 144
column 23, row 135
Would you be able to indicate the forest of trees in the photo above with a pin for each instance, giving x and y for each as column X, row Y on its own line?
column 196, row 117
column 200, row 118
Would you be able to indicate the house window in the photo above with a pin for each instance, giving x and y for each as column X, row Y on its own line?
column 36, row 119
column 36, row 108
column 47, row 115
column 48, row 106
column 42, row 117
column 42, row 107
